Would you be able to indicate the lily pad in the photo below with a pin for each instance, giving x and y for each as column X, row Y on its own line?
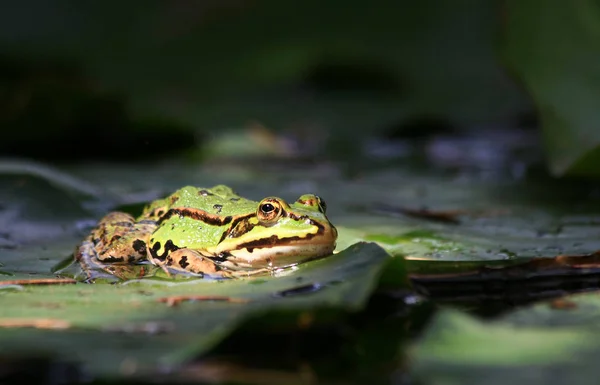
column 494, row 221
column 118, row 318
column 553, row 342
column 41, row 223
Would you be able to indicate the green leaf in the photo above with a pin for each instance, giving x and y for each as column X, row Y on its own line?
column 555, row 51
column 532, row 344
column 119, row 318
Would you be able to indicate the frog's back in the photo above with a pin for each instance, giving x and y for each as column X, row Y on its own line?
column 218, row 200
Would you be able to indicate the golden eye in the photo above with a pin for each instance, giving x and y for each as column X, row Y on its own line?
column 269, row 210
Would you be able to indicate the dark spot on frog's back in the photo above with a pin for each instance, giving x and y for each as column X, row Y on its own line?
column 169, row 247
column 218, row 208
column 234, row 199
column 205, row 193
column 139, row 246
column 155, row 248
column 183, row 262
column 174, row 199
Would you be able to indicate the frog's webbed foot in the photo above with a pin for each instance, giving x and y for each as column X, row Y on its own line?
column 85, row 255
column 92, row 268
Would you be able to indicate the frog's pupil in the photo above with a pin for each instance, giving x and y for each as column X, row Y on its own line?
column 267, row 208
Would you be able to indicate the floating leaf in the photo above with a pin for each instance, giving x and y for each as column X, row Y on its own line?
column 549, row 343
column 118, row 318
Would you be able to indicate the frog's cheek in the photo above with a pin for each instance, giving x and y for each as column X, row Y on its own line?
column 326, row 234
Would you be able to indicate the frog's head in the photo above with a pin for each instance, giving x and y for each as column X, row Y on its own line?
column 279, row 234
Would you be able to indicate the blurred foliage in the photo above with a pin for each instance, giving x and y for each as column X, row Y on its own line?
column 164, row 68
column 52, row 111
column 555, row 52
column 312, row 68
column 167, row 73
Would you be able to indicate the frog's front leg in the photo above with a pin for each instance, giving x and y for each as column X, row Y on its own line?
column 118, row 239
column 190, row 261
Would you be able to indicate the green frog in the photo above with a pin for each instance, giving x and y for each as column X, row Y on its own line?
column 213, row 232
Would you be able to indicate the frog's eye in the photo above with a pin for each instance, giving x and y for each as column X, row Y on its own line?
column 322, row 204
column 269, row 210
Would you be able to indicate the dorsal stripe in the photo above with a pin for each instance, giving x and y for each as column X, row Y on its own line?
column 201, row 215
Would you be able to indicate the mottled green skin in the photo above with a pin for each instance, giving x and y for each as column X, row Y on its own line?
column 194, row 197
column 210, row 230
column 186, row 232
column 192, row 233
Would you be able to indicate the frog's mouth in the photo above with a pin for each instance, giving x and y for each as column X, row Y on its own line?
column 277, row 256
column 275, row 251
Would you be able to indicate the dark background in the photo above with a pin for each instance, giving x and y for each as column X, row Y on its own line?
column 121, row 80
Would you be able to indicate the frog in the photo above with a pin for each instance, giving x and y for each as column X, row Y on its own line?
column 211, row 232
